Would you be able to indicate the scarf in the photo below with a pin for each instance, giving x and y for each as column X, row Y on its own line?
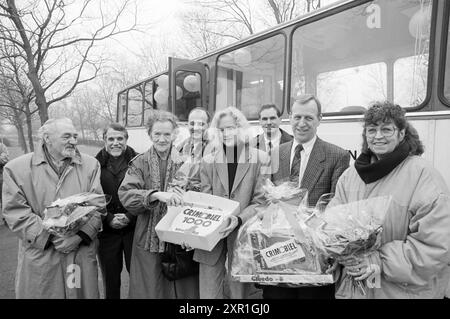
column 159, row 179
column 371, row 172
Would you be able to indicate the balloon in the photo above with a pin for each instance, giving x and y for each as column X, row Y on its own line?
column 192, row 83
column 161, row 96
column 179, row 92
column 163, row 81
column 419, row 24
column 242, row 57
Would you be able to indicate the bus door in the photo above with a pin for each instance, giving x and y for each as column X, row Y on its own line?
column 188, row 85
column 188, row 88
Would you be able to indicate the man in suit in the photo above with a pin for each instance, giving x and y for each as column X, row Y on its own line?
column 315, row 165
column 273, row 136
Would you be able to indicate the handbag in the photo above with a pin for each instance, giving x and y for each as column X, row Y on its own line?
column 177, row 263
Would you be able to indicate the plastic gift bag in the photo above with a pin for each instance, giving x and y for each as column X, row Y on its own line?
column 64, row 217
column 272, row 248
column 187, row 176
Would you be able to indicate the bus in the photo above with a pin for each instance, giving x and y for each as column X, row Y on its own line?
column 347, row 54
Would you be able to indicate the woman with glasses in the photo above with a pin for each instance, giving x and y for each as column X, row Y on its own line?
column 145, row 192
column 412, row 261
column 234, row 170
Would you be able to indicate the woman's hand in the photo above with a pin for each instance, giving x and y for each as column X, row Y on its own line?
column 358, row 267
column 231, row 221
column 170, row 198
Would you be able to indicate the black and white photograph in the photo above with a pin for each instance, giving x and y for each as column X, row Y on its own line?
column 225, row 153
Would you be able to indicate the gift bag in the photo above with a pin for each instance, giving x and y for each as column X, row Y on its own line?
column 272, row 248
column 64, row 217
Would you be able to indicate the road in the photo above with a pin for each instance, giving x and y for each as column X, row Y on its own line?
column 8, row 264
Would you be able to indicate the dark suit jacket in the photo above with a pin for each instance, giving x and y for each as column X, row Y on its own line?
column 325, row 165
column 260, row 143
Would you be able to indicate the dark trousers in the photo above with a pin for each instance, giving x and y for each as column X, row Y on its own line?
column 319, row 292
column 111, row 250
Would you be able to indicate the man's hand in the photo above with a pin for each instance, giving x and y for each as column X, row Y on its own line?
column 117, row 222
column 231, row 221
column 66, row 245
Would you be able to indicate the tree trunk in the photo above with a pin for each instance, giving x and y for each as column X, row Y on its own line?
column 21, row 135
column 30, row 131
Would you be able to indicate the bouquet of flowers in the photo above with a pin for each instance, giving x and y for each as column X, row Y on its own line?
column 272, row 248
column 351, row 229
column 64, row 217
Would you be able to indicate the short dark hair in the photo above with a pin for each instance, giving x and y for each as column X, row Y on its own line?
column 199, row 108
column 305, row 98
column 267, row 107
column 385, row 111
column 116, row 127
column 160, row 116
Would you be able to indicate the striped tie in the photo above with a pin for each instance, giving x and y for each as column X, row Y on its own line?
column 295, row 167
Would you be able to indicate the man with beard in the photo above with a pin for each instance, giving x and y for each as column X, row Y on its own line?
column 52, row 266
column 116, row 239
column 273, row 136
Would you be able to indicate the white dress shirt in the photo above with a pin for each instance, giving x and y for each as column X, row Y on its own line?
column 275, row 141
column 304, row 155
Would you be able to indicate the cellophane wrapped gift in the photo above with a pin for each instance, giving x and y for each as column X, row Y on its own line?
column 187, row 177
column 352, row 229
column 273, row 249
column 64, row 217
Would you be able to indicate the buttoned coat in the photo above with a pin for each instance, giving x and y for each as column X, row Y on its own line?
column 30, row 185
column 325, row 165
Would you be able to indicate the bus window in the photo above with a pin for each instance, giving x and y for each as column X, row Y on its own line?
column 122, row 110
column 134, row 114
column 161, row 93
column 148, row 100
column 252, row 76
column 188, row 91
column 351, row 87
column 375, row 51
column 410, row 80
column 447, row 68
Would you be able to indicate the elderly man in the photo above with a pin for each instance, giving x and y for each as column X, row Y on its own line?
column 273, row 136
column 116, row 239
column 51, row 266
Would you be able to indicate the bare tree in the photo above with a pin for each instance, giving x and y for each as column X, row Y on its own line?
column 16, row 92
column 58, row 56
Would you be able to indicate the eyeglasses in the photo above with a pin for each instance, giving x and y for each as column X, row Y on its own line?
column 386, row 131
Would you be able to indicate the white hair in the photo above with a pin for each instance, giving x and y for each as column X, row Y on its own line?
column 50, row 125
column 239, row 118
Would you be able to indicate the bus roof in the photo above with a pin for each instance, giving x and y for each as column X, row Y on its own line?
column 263, row 33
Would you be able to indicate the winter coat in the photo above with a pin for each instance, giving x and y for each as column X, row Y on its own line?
column 110, row 182
column 415, row 245
column 30, row 185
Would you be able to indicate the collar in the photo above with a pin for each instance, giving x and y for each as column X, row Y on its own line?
column 307, row 147
column 103, row 156
column 370, row 171
column 274, row 139
column 39, row 157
